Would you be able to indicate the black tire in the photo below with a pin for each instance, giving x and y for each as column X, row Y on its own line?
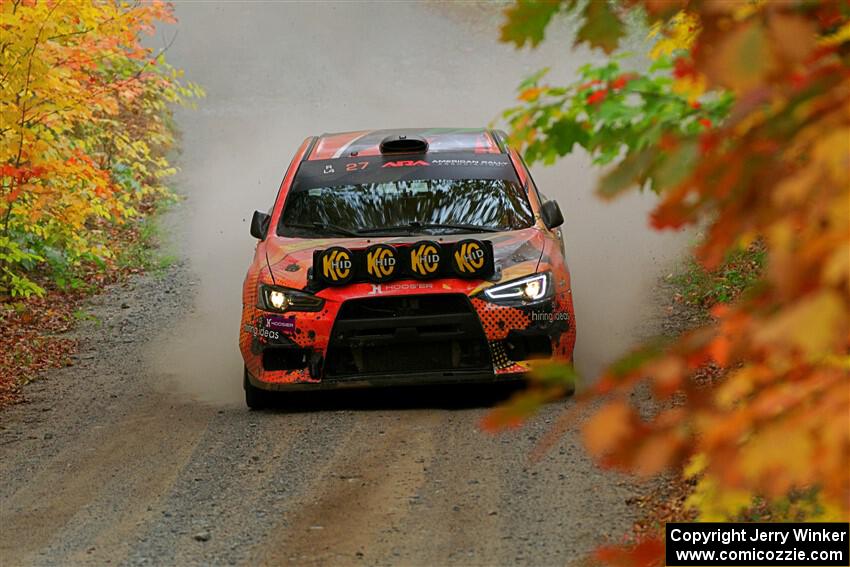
column 255, row 398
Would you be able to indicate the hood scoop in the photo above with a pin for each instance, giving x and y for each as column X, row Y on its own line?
column 401, row 144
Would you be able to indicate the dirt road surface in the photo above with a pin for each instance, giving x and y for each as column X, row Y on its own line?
column 142, row 453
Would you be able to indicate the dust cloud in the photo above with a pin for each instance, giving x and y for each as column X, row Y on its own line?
column 277, row 72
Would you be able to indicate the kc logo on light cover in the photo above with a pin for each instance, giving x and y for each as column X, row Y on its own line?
column 469, row 258
column 424, row 258
column 381, row 262
column 337, row 266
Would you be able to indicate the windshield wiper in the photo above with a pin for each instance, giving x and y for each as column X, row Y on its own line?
column 470, row 227
column 326, row 227
column 417, row 225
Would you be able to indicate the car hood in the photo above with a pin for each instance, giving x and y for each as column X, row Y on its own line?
column 516, row 253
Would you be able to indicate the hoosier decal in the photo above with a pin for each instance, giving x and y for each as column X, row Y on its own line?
column 381, row 262
column 285, row 325
column 424, row 258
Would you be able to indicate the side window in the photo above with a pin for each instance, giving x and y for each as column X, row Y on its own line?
column 540, row 196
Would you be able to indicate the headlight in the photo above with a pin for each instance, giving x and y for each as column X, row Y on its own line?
column 529, row 289
column 280, row 299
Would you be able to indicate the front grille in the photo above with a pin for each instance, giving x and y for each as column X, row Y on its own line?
column 406, row 335
column 405, row 306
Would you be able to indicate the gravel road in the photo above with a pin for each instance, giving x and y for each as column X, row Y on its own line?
column 142, row 453
column 106, row 464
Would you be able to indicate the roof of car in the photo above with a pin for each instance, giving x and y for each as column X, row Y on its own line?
column 367, row 142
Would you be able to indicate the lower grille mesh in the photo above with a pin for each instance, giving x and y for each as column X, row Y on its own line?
column 406, row 335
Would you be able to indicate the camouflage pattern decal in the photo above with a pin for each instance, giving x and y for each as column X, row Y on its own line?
column 498, row 321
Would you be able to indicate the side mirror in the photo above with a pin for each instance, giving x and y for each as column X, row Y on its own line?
column 260, row 225
column 551, row 213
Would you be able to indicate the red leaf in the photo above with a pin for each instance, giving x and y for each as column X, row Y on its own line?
column 798, row 80
column 14, row 194
column 707, row 142
column 683, row 67
column 621, row 81
column 597, row 96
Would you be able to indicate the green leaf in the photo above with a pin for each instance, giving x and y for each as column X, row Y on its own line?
column 676, row 165
column 602, row 27
column 631, row 171
column 555, row 373
column 526, row 21
column 533, row 79
column 565, row 133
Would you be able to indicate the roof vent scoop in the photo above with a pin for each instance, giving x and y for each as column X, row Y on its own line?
column 404, row 145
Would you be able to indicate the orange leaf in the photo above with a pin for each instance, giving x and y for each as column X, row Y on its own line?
column 741, row 60
column 719, row 350
column 13, row 194
column 793, row 37
column 531, row 94
column 648, row 552
column 608, row 427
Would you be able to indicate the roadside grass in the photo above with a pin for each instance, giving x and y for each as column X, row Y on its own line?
column 81, row 315
column 143, row 252
column 701, row 289
column 34, row 337
column 695, row 291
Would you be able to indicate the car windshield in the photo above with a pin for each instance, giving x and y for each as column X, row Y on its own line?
column 418, row 206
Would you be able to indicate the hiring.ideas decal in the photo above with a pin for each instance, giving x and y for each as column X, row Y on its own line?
column 259, row 332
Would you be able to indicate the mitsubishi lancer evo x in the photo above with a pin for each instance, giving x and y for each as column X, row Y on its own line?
column 421, row 256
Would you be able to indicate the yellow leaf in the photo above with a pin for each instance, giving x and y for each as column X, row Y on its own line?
column 779, row 456
column 717, row 503
column 679, row 34
column 812, row 325
column 840, row 36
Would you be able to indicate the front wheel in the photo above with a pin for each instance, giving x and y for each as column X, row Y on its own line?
column 255, row 398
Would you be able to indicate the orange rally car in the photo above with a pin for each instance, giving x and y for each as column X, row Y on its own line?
column 404, row 257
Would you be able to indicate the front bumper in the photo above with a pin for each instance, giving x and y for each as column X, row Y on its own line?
column 446, row 338
column 390, row 380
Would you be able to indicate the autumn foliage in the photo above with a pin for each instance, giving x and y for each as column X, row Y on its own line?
column 742, row 126
column 84, row 131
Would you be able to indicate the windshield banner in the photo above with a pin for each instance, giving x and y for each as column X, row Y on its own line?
column 470, row 259
column 384, row 169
